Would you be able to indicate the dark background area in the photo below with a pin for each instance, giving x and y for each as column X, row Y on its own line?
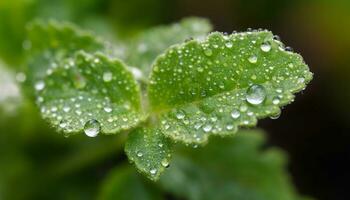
column 314, row 130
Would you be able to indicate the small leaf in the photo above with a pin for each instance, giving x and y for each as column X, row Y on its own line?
column 149, row 150
column 215, row 86
column 49, row 43
column 149, row 44
column 90, row 92
column 124, row 183
column 230, row 168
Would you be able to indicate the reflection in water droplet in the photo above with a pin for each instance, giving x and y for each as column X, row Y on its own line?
column 92, row 128
column 256, row 94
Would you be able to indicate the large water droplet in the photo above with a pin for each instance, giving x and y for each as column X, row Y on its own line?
column 256, row 94
column 40, row 85
column 92, row 128
column 265, row 47
column 107, row 76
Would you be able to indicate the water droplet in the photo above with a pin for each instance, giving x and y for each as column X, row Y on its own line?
column 265, row 47
column 66, row 108
column 229, row 44
column 63, row 123
column 207, row 128
column 243, row 108
column 229, row 127
column 107, row 76
column 301, row 80
column 276, row 100
column 256, row 94
column 235, row 114
column 180, row 115
column 40, row 85
column 107, row 109
column 276, row 116
column 165, row 163
column 253, row 59
column 139, row 154
column 208, row 52
column 153, row 171
column 92, row 128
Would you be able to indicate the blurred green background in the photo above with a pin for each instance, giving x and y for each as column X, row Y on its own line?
column 35, row 162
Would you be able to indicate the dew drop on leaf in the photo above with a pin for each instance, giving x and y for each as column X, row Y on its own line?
column 139, row 154
column 92, row 128
column 180, row 115
column 63, row 124
column 276, row 100
column 207, row 128
column 235, row 114
column 153, row 171
column 40, row 85
column 107, row 76
column 165, row 163
column 265, row 47
column 107, row 109
column 253, row 59
column 256, row 94
column 229, row 44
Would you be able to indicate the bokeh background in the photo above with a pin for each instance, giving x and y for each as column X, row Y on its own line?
column 314, row 130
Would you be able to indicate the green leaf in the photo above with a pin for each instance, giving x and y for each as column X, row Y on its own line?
column 50, row 42
column 149, row 150
column 230, row 168
column 91, row 92
column 124, row 183
column 150, row 43
column 212, row 87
